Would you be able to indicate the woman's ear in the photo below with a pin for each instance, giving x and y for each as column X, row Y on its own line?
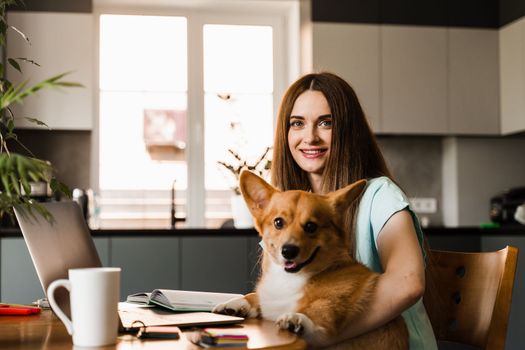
column 256, row 192
column 342, row 198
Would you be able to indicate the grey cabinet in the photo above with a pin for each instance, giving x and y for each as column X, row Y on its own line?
column 353, row 52
column 19, row 282
column 18, row 279
column 60, row 42
column 414, row 79
column 147, row 263
column 473, row 93
column 512, row 76
column 418, row 80
column 217, row 264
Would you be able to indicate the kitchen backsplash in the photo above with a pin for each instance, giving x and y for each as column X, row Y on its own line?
column 417, row 164
column 68, row 151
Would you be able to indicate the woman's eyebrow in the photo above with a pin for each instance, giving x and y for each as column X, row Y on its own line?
column 325, row 116
column 296, row 117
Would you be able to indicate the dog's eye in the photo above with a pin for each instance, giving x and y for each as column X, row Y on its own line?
column 278, row 223
column 310, row 227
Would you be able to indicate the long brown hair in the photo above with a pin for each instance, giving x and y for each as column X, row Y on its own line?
column 354, row 153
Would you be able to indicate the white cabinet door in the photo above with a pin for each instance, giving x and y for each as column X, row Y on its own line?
column 60, row 42
column 473, row 81
column 352, row 52
column 512, row 76
column 414, row 80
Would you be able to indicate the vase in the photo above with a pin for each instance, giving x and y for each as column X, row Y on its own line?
column 242, row 218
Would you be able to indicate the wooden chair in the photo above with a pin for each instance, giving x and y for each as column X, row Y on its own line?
column 468, row 296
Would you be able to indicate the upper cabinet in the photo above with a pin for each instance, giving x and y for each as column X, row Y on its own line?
column 59, row 42
column 512, row 75
column 473, row 91
column 353, row 52
column 416, row 79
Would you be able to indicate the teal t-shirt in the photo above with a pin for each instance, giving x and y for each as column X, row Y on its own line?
column 381, row 199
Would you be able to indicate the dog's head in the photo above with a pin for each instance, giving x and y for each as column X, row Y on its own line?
column 301, row 231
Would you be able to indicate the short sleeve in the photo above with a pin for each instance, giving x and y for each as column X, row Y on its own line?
column 388, row 199
column 381, row 199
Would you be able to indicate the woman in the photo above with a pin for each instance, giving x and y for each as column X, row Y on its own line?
column 323, row 143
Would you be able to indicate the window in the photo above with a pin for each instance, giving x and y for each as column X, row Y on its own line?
column 177, row 90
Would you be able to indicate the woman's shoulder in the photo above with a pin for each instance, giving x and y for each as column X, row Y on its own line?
column 382, row 193
column 383, row 185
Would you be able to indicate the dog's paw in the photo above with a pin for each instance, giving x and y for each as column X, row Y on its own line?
column 296, row 323
column 236, row 307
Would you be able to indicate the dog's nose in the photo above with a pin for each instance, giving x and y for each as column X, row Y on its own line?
column 289, row 251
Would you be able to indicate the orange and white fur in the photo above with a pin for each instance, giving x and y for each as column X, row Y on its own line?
column 310, row 284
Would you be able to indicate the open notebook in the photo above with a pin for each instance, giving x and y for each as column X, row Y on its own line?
column 150, row 316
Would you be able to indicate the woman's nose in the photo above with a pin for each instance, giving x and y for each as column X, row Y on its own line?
column 311, row 135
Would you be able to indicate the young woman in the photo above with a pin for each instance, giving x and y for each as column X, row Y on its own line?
column 323, row 143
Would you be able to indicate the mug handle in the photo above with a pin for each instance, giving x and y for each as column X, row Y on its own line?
column 51, row 298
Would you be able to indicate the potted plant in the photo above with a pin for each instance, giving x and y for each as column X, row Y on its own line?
column 240, row 213
column 19, row 171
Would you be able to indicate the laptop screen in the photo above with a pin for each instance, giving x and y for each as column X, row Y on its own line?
column 58, row 245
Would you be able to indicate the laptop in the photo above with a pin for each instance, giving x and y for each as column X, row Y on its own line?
column 59, row 245
column 66, row 243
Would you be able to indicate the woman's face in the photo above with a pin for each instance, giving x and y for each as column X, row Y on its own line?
column 310, row 132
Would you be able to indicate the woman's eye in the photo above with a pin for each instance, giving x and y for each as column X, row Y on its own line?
column 326, row 123
column 296, row 123
column 278, row 223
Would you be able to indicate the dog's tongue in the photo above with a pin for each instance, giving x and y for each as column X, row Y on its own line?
column 290, row 264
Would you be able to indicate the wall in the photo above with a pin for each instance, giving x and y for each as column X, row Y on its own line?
column 480, row 167
column 415, row 163
column 68, row 151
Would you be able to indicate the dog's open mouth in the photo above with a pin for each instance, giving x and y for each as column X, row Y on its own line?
column 292, row 266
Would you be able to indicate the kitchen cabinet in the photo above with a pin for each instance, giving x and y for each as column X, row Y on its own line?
column 19, row 283
column 60, row 42
column 512, row 76
column 147, row 263
column 216, row 264
column 353, row 52
column 473, row 91
column 414, row 80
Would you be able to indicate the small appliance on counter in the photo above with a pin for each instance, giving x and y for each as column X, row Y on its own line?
column 503, row 207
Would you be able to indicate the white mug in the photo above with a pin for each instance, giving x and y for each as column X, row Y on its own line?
column 94, row 295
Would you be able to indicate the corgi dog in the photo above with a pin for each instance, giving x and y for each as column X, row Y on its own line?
column 310, row 284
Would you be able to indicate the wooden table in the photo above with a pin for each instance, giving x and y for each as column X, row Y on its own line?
column 46, row 331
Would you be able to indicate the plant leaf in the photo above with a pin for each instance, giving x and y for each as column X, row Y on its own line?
column 21, row 34
column 37, row 122
column 14, row 64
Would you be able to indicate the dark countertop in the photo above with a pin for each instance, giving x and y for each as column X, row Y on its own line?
column 229, row 232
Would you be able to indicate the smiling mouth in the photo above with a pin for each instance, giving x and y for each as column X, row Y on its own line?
column 292, row 266
column 313, row 153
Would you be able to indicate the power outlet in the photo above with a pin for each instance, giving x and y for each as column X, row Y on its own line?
column 424, row 205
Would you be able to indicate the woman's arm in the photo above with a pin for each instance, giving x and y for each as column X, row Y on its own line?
column 403, row 282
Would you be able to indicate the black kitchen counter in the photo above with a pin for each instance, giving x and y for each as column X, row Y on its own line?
column 228, row 232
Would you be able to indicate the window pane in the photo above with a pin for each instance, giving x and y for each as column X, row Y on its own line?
column 238, row 58
column 243, row 124
column 128, row 160
column 143, row 53
column 238, row 106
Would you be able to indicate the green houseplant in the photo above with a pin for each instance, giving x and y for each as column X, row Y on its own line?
column 18, row 171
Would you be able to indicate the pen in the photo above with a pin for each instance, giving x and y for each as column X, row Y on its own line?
column 16, row 309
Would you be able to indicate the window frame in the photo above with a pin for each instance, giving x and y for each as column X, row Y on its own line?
column 282, row 16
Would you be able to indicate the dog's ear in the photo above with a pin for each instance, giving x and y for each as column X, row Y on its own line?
column 256, row 191
column 342, row 198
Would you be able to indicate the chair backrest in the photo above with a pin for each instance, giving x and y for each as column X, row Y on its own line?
column 468, row 296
